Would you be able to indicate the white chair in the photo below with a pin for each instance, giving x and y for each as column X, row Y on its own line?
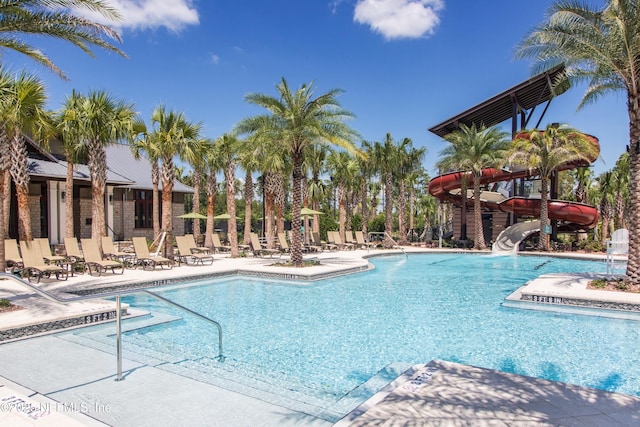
column 618, row 245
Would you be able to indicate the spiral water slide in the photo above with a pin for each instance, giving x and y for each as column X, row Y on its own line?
column 572, row 215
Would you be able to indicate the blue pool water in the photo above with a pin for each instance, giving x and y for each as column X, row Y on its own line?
column 338, row 333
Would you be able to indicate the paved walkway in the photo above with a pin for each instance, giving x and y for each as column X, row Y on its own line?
column 38, row 374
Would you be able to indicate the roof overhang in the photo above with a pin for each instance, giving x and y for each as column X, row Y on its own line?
column 510, row 104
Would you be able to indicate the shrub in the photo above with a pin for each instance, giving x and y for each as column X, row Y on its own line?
column 5, row 302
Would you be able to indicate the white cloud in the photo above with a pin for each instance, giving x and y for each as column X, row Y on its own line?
column 215, row 58
column 396, row 19
column 174, row 15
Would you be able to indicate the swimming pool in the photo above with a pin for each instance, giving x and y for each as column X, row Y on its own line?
column 334, row 335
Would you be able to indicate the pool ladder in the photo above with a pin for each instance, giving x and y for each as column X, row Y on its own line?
column 51, row 297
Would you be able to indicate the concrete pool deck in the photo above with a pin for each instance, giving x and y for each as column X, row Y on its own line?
column 82, row 389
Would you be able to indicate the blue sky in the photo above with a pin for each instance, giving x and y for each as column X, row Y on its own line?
column 405, row 65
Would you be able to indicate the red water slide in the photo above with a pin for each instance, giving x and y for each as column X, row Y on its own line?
column 572, row 213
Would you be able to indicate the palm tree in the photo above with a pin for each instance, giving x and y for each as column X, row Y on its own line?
column 144, row 144
column 409, row 161
column 600, row 46
column 212, row 164
column 385, row 159
column 227, row 147
column 474, row 149
column 314, row 160
column 74, row 149
column 23, row 112
column 250, row 164
column 56, row 19
column 607, row 203
column 174, row 136
column 101, row 120
column 343, row 168
column 298, row 120
column 583, row 177
column 547, row 151
column 199, row 165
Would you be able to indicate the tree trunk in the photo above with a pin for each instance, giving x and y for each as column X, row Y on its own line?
column 477, row 215
column 6, row 203
column 212, row 190
column 342, row 212
column 155, row 198
column 68, row 201
column 633, row 264
column 3, row 195
column 20, row 175
column 543, row 241
column 279, row 201
column 167, row 205
column 388, row 211
column 364, row 206
column 232, row 229
column 248, row 200
column 196, row 203
column 296, row 205
column 402, row 213
column 98, row 170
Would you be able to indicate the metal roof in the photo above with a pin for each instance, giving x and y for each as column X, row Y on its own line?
column 58, row 170
column 508, row 104
column 120, row 160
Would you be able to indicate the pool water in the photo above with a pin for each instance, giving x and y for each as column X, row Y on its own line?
column 336, row 334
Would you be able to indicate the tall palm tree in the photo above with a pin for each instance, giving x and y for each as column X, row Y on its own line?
column 384, row 156
column 74, row 149
column 409, row 161
column 621, row 184
column 23, row 113
column 174, row 136
column 343, row 168
column 546, row 151
column 101, row 120
column 144, row 145
column 212, row 165
column 298, row 119
column 227, row 147
column 199, row 165
column 250, row 164
column 607, row 203
column 600, row 46
column 583, row 177
column 474, row 149
column 59, row 19
column 315, row 159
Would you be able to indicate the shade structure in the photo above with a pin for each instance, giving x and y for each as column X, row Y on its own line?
column 192, row 215
column 307, row 211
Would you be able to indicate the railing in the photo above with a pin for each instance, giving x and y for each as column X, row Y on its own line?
column 117, row 295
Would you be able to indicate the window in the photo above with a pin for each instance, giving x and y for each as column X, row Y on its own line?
column 143, row 200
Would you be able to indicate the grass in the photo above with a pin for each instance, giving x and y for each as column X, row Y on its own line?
column 615, row 285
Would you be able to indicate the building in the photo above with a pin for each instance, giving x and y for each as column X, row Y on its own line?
column 128, row 195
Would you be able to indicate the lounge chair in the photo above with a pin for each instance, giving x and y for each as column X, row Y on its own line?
column 74, row 256
column 282, row 241
column 323, row 245
column 144, row 258
column 191, row 241
column 109, row 251
column 12, row 254
column 48, row 256
column 360, row 240
column 93, row 261
column 35, row 265
column 217, row 245
column 185, row 252
column 337, row 240
column 259, row 250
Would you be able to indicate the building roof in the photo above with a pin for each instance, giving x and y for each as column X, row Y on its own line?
column 508, row 104
column 58, row 170
column 121, row 161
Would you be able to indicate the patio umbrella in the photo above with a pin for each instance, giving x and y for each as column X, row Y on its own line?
column 306, row 212
column 192, row 215
column 224, row 216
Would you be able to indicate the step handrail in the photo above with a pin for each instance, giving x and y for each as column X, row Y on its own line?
column 117, row 295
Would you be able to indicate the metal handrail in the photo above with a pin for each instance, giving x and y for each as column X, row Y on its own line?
column 117, row 295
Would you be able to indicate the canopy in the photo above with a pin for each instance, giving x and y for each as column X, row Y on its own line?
column 192, row 215
column 223, row 216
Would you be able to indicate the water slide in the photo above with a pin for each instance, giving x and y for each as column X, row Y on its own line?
column 572, row 215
